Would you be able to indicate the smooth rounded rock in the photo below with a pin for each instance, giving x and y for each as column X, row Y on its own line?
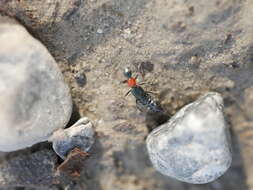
column 194, row 146
column 34, row 99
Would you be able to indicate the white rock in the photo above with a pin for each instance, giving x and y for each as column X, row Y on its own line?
column 194, row 146
column 34, row 99
column 80, row 135
column 99, row 31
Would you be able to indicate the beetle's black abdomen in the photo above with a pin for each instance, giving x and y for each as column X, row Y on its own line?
column 145, row 100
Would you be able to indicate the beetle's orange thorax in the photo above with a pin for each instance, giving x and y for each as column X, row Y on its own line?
column 131, row 82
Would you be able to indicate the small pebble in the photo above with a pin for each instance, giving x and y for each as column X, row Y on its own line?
column 99, row 31
column 127, row 31
column 80, row 135
column 81, row 79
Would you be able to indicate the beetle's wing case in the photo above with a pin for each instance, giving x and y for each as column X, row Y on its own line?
column 144, row 101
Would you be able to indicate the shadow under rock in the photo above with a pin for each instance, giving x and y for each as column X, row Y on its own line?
column 75, row 116
column 92, row 168
column 154, row 120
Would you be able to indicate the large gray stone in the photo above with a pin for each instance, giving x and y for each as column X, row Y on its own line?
column 194, row 146
column 34, row 99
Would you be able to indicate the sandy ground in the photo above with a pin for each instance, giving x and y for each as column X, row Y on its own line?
column 180, row 48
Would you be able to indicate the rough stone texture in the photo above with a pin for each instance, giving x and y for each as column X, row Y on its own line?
column 73, row 164
column 194, row 146
column 32, row 170
column 34, row 99
column 80, row 135
column 194, row 47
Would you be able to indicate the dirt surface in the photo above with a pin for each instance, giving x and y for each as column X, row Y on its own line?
column 180, row 48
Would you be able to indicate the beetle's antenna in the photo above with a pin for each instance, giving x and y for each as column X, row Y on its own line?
column 128, row 92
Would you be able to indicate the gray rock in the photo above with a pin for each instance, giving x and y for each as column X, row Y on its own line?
column 80, row 135
column 34, row 99
column 36, row 103
column 194, row 146
column 31, row 170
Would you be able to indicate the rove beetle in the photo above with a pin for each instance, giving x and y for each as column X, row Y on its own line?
column 143, row 99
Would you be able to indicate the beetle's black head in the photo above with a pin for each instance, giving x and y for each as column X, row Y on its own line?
column 127, row 73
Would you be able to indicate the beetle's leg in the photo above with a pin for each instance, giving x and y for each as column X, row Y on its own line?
column 143, row 83
column 151, row 92
column 140, row 106
column 124, row 81
column 128, row 92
